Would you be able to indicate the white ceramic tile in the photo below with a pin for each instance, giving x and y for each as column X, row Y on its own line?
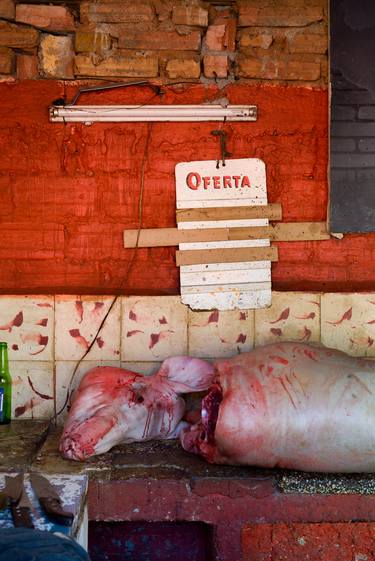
column 218, row 334
column 145, row 368
column 348, row 323
column 64, row 374
column 153, row 328
column 293, row 316
column 32, row 389
column 26, row 324
column 78, row 319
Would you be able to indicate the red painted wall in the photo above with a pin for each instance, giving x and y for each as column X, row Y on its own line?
column 67, row 192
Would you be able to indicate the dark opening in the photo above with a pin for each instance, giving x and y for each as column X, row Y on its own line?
column 352, row 195
column 150, row 541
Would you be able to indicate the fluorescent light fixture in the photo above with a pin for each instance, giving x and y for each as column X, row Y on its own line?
column 131, row 113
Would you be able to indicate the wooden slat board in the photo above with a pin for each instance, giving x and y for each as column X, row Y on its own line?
column 198, row 257
column 215, row 267
column 244, row 300
column 163, row 237
column 225, row 277
column 223, row 287
column 271, row 212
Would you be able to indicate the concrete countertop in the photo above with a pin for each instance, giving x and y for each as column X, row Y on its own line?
column 20, row 442
column 32, row 445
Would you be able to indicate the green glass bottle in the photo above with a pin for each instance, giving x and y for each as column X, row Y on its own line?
column 5, row 386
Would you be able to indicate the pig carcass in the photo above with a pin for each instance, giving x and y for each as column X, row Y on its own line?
column 286, row 405
column 114, row 405
column 292, row 406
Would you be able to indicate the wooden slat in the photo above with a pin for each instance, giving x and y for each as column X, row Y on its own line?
column 299, row 231
column 191, row 257
column 290, row 231
column 239, row 287
column 161, row 237
column 225, row 277
column 272, row 211
column 217, row 267
column 228, row 300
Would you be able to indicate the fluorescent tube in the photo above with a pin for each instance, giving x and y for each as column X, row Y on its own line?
column 131, row 113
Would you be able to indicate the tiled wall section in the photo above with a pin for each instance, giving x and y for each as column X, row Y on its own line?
column 47, row 335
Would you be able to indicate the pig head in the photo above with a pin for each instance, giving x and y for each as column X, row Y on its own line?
column 114, row 405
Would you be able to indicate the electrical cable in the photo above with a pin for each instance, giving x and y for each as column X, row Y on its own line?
column 69, row 393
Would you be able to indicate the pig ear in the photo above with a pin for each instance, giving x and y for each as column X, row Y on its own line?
column 186, row 374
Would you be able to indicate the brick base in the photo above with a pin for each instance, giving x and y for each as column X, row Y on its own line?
column 309, row 542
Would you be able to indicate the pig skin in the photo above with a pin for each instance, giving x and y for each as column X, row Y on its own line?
column 114, row 405
column 289, row 405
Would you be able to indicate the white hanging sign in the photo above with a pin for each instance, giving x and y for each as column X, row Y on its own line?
column 240, row 181
column 209, row 184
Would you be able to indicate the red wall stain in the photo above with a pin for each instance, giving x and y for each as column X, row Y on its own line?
column 67, row 192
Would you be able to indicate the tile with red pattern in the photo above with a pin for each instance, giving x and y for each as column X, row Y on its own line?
column 32, row 389
column 153, row 328
column 77, row 323
column 293, row 316
column 348, row 323
column 26, row 324
column 218, row 334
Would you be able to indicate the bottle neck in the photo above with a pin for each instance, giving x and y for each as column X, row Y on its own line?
column 4, row 367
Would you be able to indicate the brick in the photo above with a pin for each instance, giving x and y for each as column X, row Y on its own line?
column 55, row 198
column 126, row 65
column 221, row 33
column 345, row 176
column 343, row 145
column 27, row 67
column 114, row 12
column 367, row 112
column 365, row 174
column 215, row 66
column 6, row 60
column 92, row 42
column 6, row 198
column 32, row 241
column 256, row 40
column 302, row 541
column 365, row 144
column 117, row 30
column 299, row 70
column 190, row 15
column 56, row 56
column 7, row 9
column 161, row 40
column 52, row 18
column 352, row 160
column 308, row 43
column 274, row 69
column 278, row 15
column 353, row 97
column 343, row 113
column 183, row 68
column 353, row 129
column 93, row 241
column 18, row 37
column 215, row 37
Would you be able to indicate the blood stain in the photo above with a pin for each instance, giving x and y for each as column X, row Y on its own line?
column 284, row 315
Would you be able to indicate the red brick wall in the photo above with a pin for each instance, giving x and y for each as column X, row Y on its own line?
column 67, row 192
column 309, row 542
